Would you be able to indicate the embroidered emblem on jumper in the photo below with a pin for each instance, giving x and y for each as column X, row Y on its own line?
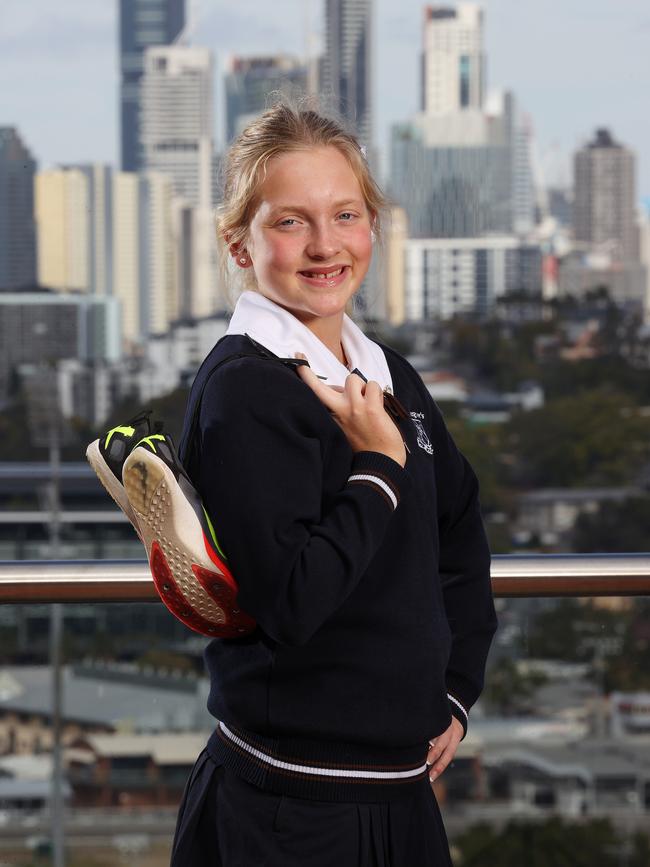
column 422, row 439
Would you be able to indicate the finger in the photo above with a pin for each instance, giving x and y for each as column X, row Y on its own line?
column 438, row 749
column 329, row 395
column 443, row 762
column 374, row 393
column 354, row 388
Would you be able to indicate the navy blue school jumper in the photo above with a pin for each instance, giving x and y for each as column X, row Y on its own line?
column 370, row 586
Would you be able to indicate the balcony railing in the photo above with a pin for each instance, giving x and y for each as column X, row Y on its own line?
column 523, row 576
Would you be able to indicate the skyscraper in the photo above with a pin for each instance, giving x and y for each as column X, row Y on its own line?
column 605, row 196
column 143, row 23
column 453, row 61
column 143, row 254
column 462, row 166
column 176, row 119
column 176, row 134
column 100, row 227
column 249, row 82
column 347, row 68
column 61, row 207
column 453, row 174
column 17, row 232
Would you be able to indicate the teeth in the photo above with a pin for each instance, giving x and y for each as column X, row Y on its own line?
column 324, row 276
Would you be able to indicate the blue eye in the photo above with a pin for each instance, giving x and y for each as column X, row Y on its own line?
column 288, row 221
column 346, row 216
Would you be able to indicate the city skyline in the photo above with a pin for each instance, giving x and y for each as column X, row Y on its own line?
column 76, row 54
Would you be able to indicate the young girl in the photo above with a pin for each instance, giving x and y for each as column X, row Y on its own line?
column 355, row 539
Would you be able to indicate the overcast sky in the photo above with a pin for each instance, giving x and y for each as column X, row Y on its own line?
column 573, row 64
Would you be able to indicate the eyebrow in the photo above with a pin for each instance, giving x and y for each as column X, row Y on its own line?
column 281, row 209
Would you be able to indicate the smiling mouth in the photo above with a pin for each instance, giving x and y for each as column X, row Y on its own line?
column 324, row 275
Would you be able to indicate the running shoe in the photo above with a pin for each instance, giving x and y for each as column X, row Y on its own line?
column 188, row 567
column 107, row 454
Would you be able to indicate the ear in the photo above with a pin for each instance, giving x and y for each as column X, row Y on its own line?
column 239, row 253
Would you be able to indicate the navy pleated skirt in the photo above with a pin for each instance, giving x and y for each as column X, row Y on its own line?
column 223, row 821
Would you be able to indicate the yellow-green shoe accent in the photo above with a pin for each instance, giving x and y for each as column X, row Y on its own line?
column 213, row 535
column 149, row 441
column 127, row 430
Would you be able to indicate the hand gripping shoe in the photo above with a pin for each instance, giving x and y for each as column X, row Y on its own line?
column 107, row 454
column 188, row 567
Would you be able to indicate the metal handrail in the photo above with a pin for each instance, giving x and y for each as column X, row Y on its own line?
column 523, row 576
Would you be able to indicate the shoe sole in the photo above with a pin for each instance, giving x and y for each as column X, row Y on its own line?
column 191, row 579
column 110, row 483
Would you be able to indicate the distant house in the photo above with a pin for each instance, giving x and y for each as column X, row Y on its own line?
column 589, row 776
column 492, row 408
column 131, row 769
column 551, row 513
column 95, row 701
column 444, row 386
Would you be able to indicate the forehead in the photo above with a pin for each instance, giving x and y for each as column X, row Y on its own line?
column 312, row 177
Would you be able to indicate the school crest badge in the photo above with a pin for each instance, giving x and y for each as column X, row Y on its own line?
column 422, row 438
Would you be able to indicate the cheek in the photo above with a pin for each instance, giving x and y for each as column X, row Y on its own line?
column 281, row 254
column 361, row 243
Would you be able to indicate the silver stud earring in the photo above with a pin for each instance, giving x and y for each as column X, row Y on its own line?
column 242, row 260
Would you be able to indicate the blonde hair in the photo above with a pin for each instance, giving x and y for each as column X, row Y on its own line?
column 281, row 129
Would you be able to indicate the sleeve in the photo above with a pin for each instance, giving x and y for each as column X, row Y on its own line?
column 464, row 567
column 263, row 441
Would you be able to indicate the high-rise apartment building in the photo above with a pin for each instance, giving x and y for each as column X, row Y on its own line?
column 143, row 23
column 176, row 119
column 462, row 166
column 604, row 205
column 100, row 227
column 348, row 63
column 73, row 207
column 453, row 61
column 17, row 230
column 177, row 143
column 61, row 208
column 448, row 276
column 143, row 253
column 41, row 326
column 250, row 80
column 456, row 175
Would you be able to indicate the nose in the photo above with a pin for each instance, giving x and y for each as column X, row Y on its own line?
column 323, row 242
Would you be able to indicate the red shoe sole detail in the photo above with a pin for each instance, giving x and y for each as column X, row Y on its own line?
column 218, row 562
column 175, row 602
column 223, row 594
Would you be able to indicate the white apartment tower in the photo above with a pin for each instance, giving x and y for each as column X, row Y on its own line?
column 176, row 131
column 453, row 61
column 176, row 120
column 143, row 253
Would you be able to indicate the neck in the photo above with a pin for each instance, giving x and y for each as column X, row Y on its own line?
column 329, row 333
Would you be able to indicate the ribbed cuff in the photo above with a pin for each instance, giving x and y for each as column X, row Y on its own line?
column 382, row 474
column 459, row 710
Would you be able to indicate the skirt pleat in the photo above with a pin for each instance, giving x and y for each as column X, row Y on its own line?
column 224, row 821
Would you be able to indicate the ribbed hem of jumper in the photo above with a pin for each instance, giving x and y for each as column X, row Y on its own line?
column 319, row 770
column 380, row 473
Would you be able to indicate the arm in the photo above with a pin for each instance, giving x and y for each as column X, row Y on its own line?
column 263, row 436
column 464, row 566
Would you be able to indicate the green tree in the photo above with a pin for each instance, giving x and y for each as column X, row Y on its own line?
column 594, row 438
column 553, row 843
column 617, row 527
column 508, row 690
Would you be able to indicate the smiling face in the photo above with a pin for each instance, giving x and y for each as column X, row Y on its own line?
column 309, row 242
